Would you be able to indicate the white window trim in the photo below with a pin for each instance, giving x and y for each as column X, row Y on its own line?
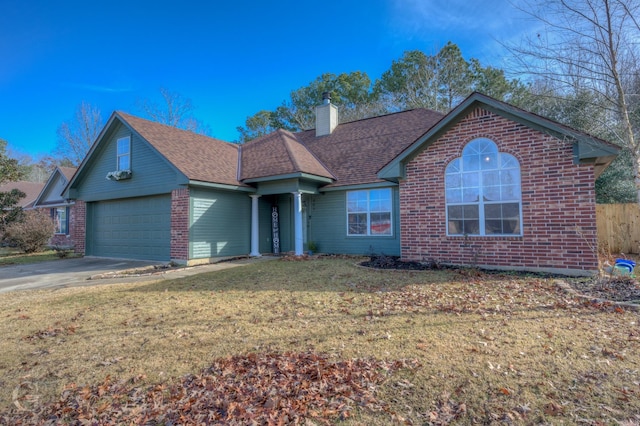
column 369, row 234
column 481, row 203
column 128, row 154
column 56, row 218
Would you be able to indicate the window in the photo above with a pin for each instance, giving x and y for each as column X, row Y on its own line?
column 369, row 212
column 483, row 191
column 124, row 153
column 60, row 218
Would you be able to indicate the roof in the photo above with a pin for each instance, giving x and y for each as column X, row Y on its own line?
column 351, row 155
column 362, row 152
column 588, row 148
column 68, row 172
column 279, row 153
column 354, row 152
column 31, row 190
column 197, row 162
column 48, row 196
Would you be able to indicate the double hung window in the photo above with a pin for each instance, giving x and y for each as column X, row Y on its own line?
column 124, row 153
column 369, row 212
column 60, row 218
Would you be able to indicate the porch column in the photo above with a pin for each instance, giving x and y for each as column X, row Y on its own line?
column 255, row 230
column 297, row 216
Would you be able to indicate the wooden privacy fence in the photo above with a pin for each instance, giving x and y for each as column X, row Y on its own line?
column 618, row 227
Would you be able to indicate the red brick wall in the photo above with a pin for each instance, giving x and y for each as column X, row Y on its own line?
column 180, row 225
column 558, row 202
column 78, row 225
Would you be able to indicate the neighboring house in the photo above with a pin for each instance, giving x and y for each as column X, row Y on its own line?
column 30, row 189
column 487, row 184
column 60, row 209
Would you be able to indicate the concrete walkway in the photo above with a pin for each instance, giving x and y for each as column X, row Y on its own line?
column 88, row 271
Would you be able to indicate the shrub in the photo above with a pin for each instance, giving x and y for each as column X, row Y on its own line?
column 62, row 245
column 32, row 232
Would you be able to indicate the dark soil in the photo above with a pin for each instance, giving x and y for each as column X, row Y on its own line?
column 394, row 262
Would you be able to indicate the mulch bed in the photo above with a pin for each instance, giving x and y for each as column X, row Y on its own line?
column 394, row 262
column 609, row 287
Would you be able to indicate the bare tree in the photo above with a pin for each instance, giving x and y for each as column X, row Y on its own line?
column 589, row 45
column 76, row 136
column 175, row 111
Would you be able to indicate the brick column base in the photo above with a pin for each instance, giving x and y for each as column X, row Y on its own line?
column 180, row 225
column 78, row 226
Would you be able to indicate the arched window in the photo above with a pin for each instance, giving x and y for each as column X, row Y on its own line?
column 483, row 194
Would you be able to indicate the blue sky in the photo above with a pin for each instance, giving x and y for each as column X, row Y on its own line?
column 230, row 58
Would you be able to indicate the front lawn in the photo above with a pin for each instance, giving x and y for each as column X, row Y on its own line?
column 15, row 257
column 321, row 340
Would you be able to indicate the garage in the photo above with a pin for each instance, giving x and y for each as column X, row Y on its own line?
column 133, row 228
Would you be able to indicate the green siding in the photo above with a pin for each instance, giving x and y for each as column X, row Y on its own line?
column 278, row 186
column 220, row 223
column 327, row 226
column 151, row 173
column 138, row 228
column 287, row 186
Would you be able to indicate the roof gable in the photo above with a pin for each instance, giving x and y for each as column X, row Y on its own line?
column 276, row 154
column 587, row 148
column 194, row 157
column 198, row 157
column 51, row 194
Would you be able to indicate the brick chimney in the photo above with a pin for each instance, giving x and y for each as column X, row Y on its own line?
column 326, row 116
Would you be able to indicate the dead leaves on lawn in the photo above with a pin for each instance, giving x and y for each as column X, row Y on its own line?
column 486, row 294
column 271, row 389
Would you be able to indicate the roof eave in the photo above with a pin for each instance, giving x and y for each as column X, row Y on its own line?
column 588, row 147
column 225, row 186
column 358, row 186
column 296, row 175
column 67, row 191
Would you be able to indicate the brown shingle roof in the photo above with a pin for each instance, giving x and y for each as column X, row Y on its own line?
column 278, row 153
column 199, row 157
column 31, row 189
column 352, row 155
column 356, row 151
column 68, row 172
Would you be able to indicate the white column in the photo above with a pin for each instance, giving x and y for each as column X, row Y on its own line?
column 255, row 230
column 297, row 220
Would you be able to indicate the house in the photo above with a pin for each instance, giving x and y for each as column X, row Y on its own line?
column 30, row 189
column 487, row 184
column 60, row 209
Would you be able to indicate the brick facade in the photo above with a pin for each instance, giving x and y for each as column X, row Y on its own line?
column 63, row 240
column 78, row 225
column 180, row 225
column 558, row 202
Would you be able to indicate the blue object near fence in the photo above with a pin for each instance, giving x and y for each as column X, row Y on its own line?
column 625, row 266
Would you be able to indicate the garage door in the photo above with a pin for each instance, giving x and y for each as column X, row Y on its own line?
column 134, row 228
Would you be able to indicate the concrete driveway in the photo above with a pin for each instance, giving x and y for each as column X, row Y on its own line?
column 62, row 273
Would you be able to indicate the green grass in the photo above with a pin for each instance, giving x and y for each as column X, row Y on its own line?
column 11, row 257
column 492, row 348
